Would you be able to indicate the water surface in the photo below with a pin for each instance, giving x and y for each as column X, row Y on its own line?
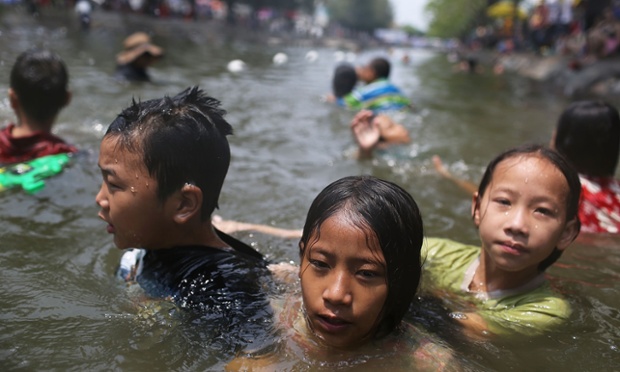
column 62, row 309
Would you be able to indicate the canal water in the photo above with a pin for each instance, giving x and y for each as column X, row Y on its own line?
column 61, row 307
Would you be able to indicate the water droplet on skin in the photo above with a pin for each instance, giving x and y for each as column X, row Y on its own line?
column 136, row 175
column 457, row 315
column 147, row 185
column 116, row 161
column 133, row 190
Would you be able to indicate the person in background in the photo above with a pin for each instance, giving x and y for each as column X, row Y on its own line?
column 344, row 81
column 370, row 131
column 137, row 55
column 83, row 9
column 538, row 27
column 588, row 135
column 378, row 94
column 38, row 91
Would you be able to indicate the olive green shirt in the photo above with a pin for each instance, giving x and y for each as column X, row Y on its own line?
column 530, row 309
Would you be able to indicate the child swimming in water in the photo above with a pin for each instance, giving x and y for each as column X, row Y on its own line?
column 38, row 92
column 359, row 271
column 163, row 163
column 525, row 210
column 588, row 135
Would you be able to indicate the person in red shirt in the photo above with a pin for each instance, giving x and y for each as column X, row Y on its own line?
column 588, row 135
column 37, row 93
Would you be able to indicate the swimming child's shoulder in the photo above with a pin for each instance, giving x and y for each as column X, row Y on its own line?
column 529, row 313
column 440, row 254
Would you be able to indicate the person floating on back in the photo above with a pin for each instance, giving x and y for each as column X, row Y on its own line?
column 137, row 55
column 38, row 91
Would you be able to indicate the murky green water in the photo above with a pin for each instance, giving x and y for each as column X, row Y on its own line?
column 62, row 309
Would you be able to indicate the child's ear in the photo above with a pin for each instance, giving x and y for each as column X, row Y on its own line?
column 553, row 137
column 13, row 99
column 188, row 203
column 571, row 230
column 475, row 208
column 67, row 99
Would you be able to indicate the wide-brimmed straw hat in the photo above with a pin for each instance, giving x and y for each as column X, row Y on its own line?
column 135, row 45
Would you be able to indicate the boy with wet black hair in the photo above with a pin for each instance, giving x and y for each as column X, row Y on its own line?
column 37, row 93
column 163, row 164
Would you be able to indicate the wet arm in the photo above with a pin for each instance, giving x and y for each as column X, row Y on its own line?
column 392, row 133
column 469, row 187
column 284, row 272
column 230, row 226
column 366, row 133
column 247, row 363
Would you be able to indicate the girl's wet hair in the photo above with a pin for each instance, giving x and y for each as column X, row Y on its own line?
column 182, row 139
column 588, row 134
column 344, row 80
column 562, row 164
column 389, row 216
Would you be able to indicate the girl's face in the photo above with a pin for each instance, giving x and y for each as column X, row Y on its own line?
column 522, row 215
column 343, row 283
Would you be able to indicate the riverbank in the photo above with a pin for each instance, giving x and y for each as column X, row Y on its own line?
column 199, row 30
column 596, row 79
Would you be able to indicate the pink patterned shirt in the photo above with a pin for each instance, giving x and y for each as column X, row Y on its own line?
column 599, row 210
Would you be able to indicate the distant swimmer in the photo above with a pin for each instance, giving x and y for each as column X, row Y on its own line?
column 138, row 54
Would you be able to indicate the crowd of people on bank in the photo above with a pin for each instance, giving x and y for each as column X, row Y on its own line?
column 584, row 31
column 362, row 249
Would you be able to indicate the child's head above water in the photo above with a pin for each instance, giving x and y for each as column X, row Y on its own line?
column 377, row 68
column 588, row 134
column 526, row 208
column 360, row 260
column 181, row 140
column 39, row 82
column 163, row 163
column 344, row 80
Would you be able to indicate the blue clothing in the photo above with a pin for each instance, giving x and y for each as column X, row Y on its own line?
column 378, row 96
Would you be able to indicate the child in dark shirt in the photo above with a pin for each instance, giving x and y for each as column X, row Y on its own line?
column 163, row 164
column 37, row 93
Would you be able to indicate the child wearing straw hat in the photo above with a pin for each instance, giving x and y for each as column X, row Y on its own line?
column 137, row 55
